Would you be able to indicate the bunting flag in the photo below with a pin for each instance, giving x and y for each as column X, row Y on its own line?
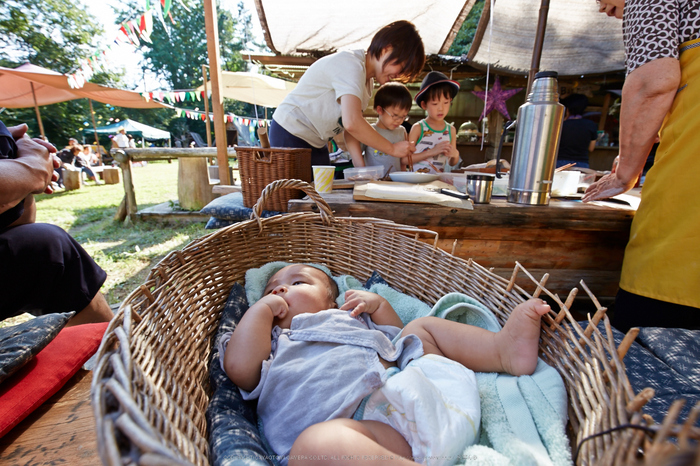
column 228, row 118
column 131, row 32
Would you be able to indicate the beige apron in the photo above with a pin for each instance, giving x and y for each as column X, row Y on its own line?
column 662, row 259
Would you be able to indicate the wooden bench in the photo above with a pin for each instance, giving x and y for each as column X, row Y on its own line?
column 60, row 431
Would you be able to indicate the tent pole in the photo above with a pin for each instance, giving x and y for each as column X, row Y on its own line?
column 94, row 125
column 217, row 101
column 206, row 104
column 38, row 114
column 539, row 42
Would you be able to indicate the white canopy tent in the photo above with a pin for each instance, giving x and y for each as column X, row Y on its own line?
column 296, row 26
column 578, row 40
column 256, row 89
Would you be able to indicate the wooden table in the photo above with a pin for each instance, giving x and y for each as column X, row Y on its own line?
column 60, row 431
column 568, row 239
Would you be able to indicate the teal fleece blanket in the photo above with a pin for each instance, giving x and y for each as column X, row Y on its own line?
column 523, row 419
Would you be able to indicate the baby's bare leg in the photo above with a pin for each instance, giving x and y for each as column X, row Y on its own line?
column 512, row 350
column 346, row 441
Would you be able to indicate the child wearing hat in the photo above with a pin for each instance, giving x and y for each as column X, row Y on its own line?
column 436, row 140
column 392, row 102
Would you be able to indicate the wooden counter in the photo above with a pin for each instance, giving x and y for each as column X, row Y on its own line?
column 568, row 239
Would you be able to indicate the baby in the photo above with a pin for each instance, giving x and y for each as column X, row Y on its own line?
column 284, row 345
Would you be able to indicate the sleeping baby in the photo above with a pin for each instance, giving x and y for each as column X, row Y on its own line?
column 322, row 374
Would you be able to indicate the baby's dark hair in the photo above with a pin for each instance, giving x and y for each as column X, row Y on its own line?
column 406, row 47
column 438, row 91
column 333, row 291
column 393, row 94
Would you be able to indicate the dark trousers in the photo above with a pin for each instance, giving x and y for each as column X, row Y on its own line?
column 43, row 270
column 280, row 137
column 633, row 310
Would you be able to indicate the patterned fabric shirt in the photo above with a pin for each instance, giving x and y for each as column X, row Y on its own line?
column 656, row 29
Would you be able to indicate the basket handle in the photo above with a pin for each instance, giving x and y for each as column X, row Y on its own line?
column 323, row 208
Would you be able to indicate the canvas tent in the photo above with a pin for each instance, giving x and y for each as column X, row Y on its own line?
column 578, row 40
column 33, row 86
column 51, row 87
column 296, row 27
column 253, row 88
column 136, row 129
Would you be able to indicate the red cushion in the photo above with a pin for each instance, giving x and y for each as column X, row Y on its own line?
column 47, row 372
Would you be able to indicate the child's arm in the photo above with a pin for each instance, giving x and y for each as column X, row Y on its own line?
column 429, row 153
column 453, row 153
column 251, row 342
column 377, row 307
column 355, row 124
column 355, row 149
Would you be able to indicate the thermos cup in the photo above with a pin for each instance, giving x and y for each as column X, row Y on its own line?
column 538, row 129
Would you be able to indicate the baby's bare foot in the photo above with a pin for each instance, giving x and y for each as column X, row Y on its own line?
column 519, row 338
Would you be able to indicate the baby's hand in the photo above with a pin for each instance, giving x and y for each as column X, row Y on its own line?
column 361, row 301
column 276, row 304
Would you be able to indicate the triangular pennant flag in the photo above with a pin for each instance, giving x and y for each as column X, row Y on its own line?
column 182, row 96
column 166, row 6
column 191, row 96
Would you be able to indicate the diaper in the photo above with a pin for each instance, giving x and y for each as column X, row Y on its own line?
column 434, row 403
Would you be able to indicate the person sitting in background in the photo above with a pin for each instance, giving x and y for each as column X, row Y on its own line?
column 91, row 157
column 120, row 138
column 81, row 162
column 42, row 268
column 132, row 142
column 578, row 134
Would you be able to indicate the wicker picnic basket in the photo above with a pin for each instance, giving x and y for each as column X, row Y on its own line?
column 258, row 167
column 150, row 387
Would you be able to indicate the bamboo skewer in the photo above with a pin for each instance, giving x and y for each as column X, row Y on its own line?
column 564, row 167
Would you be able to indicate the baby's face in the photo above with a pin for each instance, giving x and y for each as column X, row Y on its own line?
column 305, row 289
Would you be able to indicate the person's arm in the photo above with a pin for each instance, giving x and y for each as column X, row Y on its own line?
column 355, row 149
column 30, row 173
column 591, row 146
column 379, row 309
column 442, row 148
column 647, row 96
column 355, row 124
column 251, row 342
column 454, row 153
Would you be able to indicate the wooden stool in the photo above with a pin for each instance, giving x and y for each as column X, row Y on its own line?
column 110, row 175
column 71, row 178
column 193, row 184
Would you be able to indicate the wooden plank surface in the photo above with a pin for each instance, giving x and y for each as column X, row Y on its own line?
column 61, row 431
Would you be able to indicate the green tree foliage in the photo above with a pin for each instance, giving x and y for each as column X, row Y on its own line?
column 55, row 34
column 465, row 36
column 179, row 50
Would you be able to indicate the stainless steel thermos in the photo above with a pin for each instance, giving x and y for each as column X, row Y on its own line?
column 538, row 129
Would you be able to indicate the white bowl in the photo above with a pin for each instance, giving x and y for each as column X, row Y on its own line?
column 412, row 177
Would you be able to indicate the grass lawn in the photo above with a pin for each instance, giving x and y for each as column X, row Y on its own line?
column 125, row 253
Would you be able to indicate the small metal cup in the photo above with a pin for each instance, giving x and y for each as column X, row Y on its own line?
column 480, row 187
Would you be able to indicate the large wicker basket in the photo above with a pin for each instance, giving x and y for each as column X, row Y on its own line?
column 259, row 167
column 150, row 388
